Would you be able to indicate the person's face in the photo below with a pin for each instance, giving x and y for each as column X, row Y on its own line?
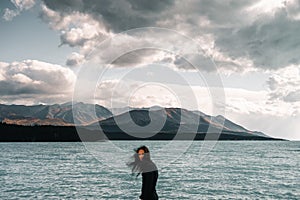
column 141, row 154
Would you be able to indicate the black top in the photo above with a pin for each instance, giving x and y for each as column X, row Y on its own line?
column 150, row 176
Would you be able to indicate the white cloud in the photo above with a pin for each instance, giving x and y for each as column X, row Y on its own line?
column 21, row 78
column 293, row 9
column 76, row 28
column 267, row 7
column 117, row 93
column 31, row 79
column 10, row 14
column 77, row 36
column 247, row 102
column 2, row 70
column 276, row 126
column 253, row 110
column 75, row 59
column 23, row 4
column 125, row 92
column 284, row 84
column 20, row 5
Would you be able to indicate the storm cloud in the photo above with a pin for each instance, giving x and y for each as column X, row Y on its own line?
column 236, row 34
column 117, row 15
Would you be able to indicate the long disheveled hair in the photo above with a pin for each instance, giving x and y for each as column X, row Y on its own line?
column 137, row 166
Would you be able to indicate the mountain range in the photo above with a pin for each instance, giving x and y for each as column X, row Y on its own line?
column 138, row 121
column 56, row 114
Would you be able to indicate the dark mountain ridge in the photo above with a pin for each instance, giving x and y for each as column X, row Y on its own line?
column 55, row 122
column 177, row 118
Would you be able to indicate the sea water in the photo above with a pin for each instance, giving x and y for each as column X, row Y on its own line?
column 228, row 170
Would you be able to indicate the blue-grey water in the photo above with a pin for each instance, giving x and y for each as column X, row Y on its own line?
column 231, row 170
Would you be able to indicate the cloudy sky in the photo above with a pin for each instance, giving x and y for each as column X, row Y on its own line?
column 235, row 58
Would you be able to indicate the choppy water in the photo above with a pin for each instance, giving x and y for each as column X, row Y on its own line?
column 238, row 169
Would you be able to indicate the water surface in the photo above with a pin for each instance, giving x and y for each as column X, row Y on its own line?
column 233, row 169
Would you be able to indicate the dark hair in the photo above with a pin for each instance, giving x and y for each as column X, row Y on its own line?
column 146, row 150
column 137, row 165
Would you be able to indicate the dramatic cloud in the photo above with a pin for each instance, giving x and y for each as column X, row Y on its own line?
column 62, row 16
column 271, row 43
column 31, row 78
column 117, row 15
column 256, row 34
column 238, row 36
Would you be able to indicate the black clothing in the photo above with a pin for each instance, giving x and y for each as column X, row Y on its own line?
column 150, row 176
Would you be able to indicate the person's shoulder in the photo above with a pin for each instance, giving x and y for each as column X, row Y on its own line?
column 153, row 164
column 149, row 166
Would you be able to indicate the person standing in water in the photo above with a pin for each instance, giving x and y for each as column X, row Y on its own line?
column 143, row 164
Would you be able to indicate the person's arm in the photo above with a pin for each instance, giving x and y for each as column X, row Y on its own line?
column 147, row 185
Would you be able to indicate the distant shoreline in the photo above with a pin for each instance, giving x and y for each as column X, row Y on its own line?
column 47, row 133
